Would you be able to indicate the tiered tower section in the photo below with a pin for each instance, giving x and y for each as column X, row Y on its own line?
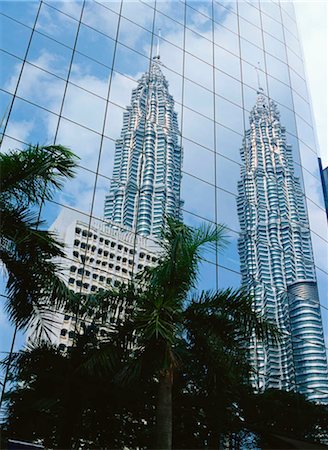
column 148, row 158
column 276, row 258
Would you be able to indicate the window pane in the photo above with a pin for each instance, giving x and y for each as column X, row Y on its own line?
column 57, row 25
column 14, row 37
column 199, row 99
column 95, row 45
column 100, row 18
column 77, row 107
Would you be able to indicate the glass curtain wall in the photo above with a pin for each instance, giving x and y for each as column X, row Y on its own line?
column 69, row 69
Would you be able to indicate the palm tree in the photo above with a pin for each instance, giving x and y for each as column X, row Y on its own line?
column 168, row 315
column 28, row 178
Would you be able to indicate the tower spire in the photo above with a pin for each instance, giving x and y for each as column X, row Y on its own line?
column 258, row 69
column 157, row 56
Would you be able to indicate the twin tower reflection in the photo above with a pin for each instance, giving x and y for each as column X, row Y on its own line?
column 274, row 244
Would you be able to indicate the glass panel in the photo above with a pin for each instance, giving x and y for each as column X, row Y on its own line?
column 121, row 89
column 272, row 27
column 100, row 18
column 78, row 192
column 9, row 77
column 251, row 75
column 107, row 158
column 198, row 197
column 227, row 174
column 172, row 9
column 314, row 193
column 24, row 12
column 171, row 30
column 228, row 114
column 114, row 121
column 41, row 88
column 225, row 14
column 139, row 13
column 114, row 5
column 229, row 256
column 207, row 277
column 287, row 119
column 295, row 143
column 302, row 108
column 81, row 141
column 198, row 99
column 29, row 123
column 135, row 37
column 198, row 71
column 298, row 84
column 271, row 9
column 201, row 6
column 198, row 46
column 78, row 104
column 171, row 56
column 249, row 100
column 288, row 21
column 198, row 161
column 5, row 102
column 95, row 45
column 248, row 11
column 49, row 55
column 200, row 21
column 72, row 8
column 228, row 279
column 90, row 75
column 101, row 191
column 309, row 160
column 57, row 25
column 305, row 133
column 129, row 62
column 320, row 250
column 14, row 37
column 9, row 143
column 226, row 39
column 292, row 42
column 275, row 47
column 295, row 63
column 226, row 206
column 250, row 32
column 228, row 143
column 277, row 69
column 226, row 62
column 228, row 87
column 175, row 84
column 280, row 92
column 252, row 54
column 198, row 128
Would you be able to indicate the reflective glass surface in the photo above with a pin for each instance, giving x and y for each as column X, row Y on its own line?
column 73, row 76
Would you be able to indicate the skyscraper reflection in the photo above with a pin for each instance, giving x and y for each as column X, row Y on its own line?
column 277, row 259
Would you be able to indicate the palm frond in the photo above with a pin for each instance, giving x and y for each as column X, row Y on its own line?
column 20, row 228
column 237, row 306
column 32, row 174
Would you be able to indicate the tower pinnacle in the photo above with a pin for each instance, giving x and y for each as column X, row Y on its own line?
column 157, row 56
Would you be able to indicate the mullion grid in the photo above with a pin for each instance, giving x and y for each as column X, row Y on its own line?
column 183, row 77
column 124, row 45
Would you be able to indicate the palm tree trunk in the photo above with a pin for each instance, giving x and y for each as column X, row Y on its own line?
column 164, row 411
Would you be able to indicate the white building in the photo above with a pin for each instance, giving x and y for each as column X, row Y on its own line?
column 98, row 256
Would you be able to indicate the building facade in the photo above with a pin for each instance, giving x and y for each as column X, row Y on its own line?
column 70, row 71
column 276, row 257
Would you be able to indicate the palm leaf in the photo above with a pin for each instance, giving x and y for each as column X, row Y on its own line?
column 30, row 175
